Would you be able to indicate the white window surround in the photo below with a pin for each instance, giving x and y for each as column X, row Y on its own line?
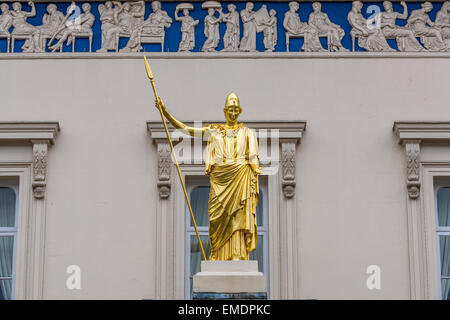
column 282, row 212
column 427, row 147
column 30, row 167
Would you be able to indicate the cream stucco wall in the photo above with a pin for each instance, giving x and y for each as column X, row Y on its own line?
column 350, row 174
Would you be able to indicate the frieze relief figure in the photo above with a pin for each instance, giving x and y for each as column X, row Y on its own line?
column 211, row 26
column 406, row 41
column 270, row 31
column 109, row 19
column 294, row 26
column 323, row 25
column 130, row 19
column 248, row 41
column 423, row 27
column 22, row 28
column 52, row 21
column 5, row 19
column 443, row 21
column 84, row 26
column 188, row 24
column 231, row 39
column 158, row 17
column 369, row 38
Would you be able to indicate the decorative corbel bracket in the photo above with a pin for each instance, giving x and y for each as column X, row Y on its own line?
column 412, row 148
column 40, row 149
column 288, row 150
column 164, row 170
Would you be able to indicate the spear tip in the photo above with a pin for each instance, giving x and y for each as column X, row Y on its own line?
column 149, row 70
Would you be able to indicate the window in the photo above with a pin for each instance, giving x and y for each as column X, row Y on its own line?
column 8, row 237
column 443, row 239
column 198, row 190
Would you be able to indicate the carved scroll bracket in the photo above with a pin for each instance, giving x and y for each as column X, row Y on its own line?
column 412, row 148
column 39, row 167
column 164, row 170
column 288, row 150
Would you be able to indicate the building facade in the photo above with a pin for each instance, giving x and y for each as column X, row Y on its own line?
column 351, row 113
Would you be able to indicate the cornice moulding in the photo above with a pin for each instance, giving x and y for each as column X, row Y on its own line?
column 29, row 131
column 431, row 131
column 288, row 130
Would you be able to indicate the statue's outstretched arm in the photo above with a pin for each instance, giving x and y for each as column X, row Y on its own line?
column 192, row 131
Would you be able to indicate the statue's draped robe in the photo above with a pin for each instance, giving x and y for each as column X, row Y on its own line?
column 231, row 161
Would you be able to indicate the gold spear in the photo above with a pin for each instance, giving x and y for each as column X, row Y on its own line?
column 150, row 77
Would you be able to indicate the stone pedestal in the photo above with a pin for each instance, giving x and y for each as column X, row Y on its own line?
column 229, row 280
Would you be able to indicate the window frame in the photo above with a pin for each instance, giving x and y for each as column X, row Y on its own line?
column 13, row 184
column 195, row 181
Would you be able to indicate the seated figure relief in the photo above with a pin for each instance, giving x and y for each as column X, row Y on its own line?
column 295, row 27
column 422, row 26
column 82, row 26
column 158, row 17
column 24, row 29
column 52, row 21
column 370, row 37
column 121, row 20
column 443, row 21
column 5, row 19
column 320, row 21
column 110, row 21
column 406, row 40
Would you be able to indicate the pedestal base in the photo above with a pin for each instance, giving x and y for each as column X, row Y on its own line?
column 229, row 280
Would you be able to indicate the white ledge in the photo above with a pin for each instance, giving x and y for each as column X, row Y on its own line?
column 287, row 130
column 226, row 55
column 29, row 131
column 431, row 131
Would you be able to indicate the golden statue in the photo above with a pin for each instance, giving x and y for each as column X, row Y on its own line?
column 232, row 163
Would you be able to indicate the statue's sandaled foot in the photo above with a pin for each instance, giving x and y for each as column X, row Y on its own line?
column 102, row 50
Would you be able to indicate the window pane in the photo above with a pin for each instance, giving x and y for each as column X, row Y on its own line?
column 7, row 207
column 5, row 289
column 199, row 203
column 444, row 244
column 258, row 254
column 443, row 204
column 6, row 263
column 196, row 255
column 259, row 209
column 445, row 286
column 6, row 256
